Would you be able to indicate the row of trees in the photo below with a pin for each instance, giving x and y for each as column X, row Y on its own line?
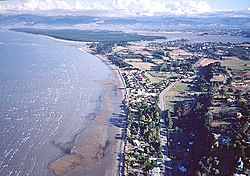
column 106, row 47
column 119, row 62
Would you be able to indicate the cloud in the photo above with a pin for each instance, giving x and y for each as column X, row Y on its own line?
column 147, row 7
column 144, row 7
column 94, row 6
column 188, row 7
column 124, row 7
column 78, row 5
column 32, row 5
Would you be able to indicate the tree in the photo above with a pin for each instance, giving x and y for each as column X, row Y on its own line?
column 222, row 92
column 229, row 80
column 147, row 164
column 169, row 120
column 238, row 94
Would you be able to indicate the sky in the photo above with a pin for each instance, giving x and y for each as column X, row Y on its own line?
column 127, row 7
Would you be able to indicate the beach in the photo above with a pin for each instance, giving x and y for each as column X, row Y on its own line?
column 98, row 147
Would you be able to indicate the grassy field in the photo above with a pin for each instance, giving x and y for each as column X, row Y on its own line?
column 177, row 95
column 236, row 64
column 231, row 62
column 142, row 65
column 181, row 87
column 132, row 60
column 164, row 75
column 155, row 79
column 157, row 61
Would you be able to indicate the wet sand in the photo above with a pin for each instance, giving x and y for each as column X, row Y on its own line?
column 98, row 147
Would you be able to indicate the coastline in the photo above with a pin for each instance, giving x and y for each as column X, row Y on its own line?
column 97, row 149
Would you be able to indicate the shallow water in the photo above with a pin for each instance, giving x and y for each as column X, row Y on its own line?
column 194, row 37
column 49, row 92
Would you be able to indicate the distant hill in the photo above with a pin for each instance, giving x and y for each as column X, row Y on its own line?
column 246, row 33
column 216, row 21
column 211, row 24
column 31, row 20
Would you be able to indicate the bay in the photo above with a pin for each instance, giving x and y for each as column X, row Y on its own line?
column 49, row 93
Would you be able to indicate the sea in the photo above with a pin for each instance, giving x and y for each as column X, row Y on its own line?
column 50, row 91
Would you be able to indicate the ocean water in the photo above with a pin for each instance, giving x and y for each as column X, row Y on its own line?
column 49, row 92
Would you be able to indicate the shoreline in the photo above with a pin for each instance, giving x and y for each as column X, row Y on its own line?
column 97, row 149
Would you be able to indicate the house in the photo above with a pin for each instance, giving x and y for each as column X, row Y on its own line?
column 159, row 161
column 230, row 100
column 239, row 115
column 240, row 164
column 135, row 165
column 136, row 142
column 140, row 150
column 191, row 143
column 156, row 171
column 248, row 140
column 225, row 139
column 182, row 169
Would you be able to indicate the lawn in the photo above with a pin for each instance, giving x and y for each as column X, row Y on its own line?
column 177, row 94
column 142, row 65
column 155, row 76
column 132, row 60
column 154, row 79
column 164, row 75
column 181, row 87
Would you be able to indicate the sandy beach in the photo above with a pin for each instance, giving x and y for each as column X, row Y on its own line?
column 98, row 147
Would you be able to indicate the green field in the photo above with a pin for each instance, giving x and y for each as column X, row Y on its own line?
column 176, row 95
column 236, row 64
column 181, row 87
column 142, row 65
column 155, row 79
column 156, row 76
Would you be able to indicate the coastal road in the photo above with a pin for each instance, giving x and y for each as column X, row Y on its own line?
column 121, row 151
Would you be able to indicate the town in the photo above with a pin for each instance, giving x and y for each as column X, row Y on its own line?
column 187, row 106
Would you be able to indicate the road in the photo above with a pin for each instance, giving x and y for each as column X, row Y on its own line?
column 167, row 170
column 162, row 96
column 164, row 141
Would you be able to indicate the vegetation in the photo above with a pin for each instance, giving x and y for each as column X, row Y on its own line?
column 169, row 120
column 106, row 47
column 209, row 120
column 118, row 61
column 87, row 35
column 143, row 126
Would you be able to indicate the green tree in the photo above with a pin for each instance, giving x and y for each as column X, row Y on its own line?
column 169, row 120
column 229, row 80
